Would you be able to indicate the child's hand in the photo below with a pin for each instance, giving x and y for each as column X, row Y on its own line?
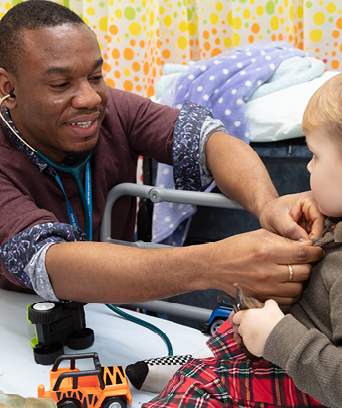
column 254, row 325
column 237, row 336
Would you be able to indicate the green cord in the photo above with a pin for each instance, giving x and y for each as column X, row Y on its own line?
column 143, row 323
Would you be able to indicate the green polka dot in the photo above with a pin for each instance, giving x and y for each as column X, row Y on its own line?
column 246, row 25
column 242, row 1
column 175, row 14
column 101, row 4
column 308, row 4
column 189, row 12
column 331, row 20
column 129, row 13
column 270, row 7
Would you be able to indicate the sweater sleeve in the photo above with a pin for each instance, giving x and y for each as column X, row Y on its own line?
column 309, row 356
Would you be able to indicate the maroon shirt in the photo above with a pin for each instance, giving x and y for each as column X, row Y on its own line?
column 133, row 126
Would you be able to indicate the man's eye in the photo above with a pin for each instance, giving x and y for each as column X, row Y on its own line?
column 97, row 78
column 59, row 86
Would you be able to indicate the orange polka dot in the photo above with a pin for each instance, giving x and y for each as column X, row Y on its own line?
column 215, row 51
column 273, row 37
column 302, row 35
column 290, row 38
column 116, row 53
column 116, row 63
column 113, row 29
column 255, row 28
column 108, row 38
column 300, row 25
column 317, row 50
column 217, row 41
column 136, row 78
column 106, row 67
column 251, row 39
column 117, row 74
column 336, row 33
column 206, row 34
column 214, row 31
column 138, row 88
column 105, row 56
column 150, row 91
column 339, row 23
column 146, row 68
column 142, row 44
column 128, row 86
column 333, row 53
column 335, row 64
column 110, row 82
column 281, row 37
column 159, row 61
column 207, row 46
column 166, row 54
column 159, row 44
column 128, row 54
column 132, row 43
column 301, row 46
column 136, row 66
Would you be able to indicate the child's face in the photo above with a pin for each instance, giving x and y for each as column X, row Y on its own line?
column 325, row 168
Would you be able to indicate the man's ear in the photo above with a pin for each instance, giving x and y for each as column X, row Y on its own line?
column 7, row 87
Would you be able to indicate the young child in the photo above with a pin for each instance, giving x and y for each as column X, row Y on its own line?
column 302, row 349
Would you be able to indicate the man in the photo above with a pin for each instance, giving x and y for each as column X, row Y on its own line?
column 57, row 112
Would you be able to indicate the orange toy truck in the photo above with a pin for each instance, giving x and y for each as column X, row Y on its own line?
column 101, row 387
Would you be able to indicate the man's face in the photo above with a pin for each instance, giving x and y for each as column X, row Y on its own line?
column 325, row 168
column 60, row 93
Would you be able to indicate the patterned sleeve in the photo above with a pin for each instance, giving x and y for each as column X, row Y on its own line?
column 193, row 127
column 24, row 254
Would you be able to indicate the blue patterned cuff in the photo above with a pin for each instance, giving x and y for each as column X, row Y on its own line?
column 186, row 150
column 17, row 252
column 38, row 275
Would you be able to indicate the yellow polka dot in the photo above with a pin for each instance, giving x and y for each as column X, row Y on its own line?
column 118, row 13
column 331, row 8
column 291, row 13
column 134, row 28
column 237, row 23
column 300, row 12
column 85, row 20
column 219, row 6
column 227, row 42
column 182, row 42
column 152, row 18
column 274, row 23
column 286, row 3
column 259, row 10
column 316, row 35
column 236, row 39
column 319, row 18
column 230, row 18
column 103, row 23
column 192, row 28
column 246, row 14
column 167, row 21
column 214, row 18
column 161, row 10
column 183, row 26
column 8, row 6
column 127, row 72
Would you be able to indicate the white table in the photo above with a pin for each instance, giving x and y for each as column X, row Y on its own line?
column 117, row 341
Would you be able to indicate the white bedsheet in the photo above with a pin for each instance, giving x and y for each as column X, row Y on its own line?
column 117, row 341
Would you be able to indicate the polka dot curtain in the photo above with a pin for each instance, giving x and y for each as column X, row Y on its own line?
column 138, row 37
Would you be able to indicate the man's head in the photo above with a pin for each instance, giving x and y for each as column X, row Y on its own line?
column 56, row 73
column 29, row 15
column 322, row 124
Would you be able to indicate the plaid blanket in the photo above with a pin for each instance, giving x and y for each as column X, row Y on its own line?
column 230, row 380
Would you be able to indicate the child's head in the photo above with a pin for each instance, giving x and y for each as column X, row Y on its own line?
column 322, row 125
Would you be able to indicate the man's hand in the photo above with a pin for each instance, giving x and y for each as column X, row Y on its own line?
column 295, row 216
column 258, row 261
column 254, row 326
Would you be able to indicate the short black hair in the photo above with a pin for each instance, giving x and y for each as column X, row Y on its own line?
column 29, row 15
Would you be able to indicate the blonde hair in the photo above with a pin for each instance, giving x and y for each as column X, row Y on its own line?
column 325, row 108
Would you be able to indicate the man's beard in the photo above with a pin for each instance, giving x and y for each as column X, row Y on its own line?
column 74, row 157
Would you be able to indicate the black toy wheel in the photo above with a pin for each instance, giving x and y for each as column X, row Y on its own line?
column 215, row 325
column 47, row 355
column 44, row 313
column 81, row 339
column 115, row 402
column 69, row 403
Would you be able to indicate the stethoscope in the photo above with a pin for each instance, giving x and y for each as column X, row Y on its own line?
column 75, row 171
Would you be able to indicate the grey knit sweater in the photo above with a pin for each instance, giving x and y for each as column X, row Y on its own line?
column 307, row 342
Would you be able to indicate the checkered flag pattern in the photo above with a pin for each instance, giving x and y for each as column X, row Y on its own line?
column 169, row 360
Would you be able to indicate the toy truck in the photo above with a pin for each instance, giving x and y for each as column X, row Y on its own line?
column 100, row 387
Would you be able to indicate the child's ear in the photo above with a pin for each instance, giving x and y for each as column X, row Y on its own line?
column 7, row 88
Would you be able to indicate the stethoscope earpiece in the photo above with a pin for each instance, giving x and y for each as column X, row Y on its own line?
column 11, row 94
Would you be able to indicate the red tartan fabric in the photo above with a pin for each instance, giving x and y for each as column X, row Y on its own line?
column 230, row 380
